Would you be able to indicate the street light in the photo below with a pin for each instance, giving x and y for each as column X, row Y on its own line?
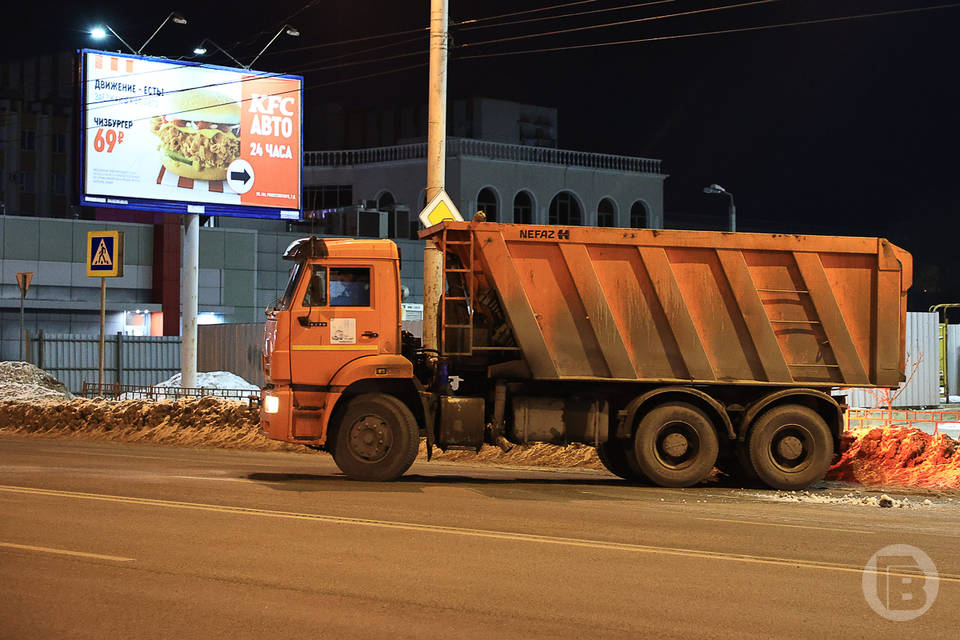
column 715, row 188
column 201, row 50
column 98, row 33
column 288, row 29
column 174, row 16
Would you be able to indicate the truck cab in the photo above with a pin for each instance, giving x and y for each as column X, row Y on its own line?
column 337, row 323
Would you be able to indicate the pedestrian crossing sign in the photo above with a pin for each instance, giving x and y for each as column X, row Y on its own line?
column 105, row 254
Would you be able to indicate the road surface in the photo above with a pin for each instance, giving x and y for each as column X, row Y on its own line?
column 108, row 540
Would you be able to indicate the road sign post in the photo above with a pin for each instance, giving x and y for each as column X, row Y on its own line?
column 104, row 260
column 23, row 283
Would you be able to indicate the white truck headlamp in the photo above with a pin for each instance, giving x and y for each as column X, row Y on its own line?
column 271, row 404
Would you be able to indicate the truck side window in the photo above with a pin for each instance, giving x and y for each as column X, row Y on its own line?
column 316, row 295
column 349, row 287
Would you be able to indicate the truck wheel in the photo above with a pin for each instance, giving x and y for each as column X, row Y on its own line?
column 376, row 438
column 790, row 447
column 676, row 445
column 613, row 455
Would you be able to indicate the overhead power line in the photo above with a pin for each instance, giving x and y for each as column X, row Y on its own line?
column 523, row 12
column 620, row 23
column 562, row 15
column 716, row 32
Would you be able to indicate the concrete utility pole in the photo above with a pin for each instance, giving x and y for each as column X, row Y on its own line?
column 436, row 166
column 188, row 300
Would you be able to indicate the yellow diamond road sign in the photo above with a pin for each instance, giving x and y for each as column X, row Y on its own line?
column 105, row 254
column 439, row 209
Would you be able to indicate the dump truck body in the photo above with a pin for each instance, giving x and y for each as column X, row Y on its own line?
column 669, row 351
column 685, row 306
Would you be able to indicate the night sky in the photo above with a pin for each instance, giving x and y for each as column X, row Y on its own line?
column 847, row 127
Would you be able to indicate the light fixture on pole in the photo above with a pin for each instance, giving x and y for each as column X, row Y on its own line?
column 202, row 50
column 174, row 16
column 288, row 29
column 715, row 188
column 98, row 33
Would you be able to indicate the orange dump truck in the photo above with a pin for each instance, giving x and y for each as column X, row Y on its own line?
column 669, row 351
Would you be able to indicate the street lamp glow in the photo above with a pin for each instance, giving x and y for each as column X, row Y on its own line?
column 98, row 33
column 200, row 51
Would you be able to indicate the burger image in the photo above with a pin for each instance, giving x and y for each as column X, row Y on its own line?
column 200, row 136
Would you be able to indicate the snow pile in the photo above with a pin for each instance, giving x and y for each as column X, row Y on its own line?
column 898, row 456
column 209, row 381
column 23, row 381
column 854, row 498
column 213, row 380
column 207, row 421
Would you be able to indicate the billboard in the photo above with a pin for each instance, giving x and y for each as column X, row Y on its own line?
column 180, row 137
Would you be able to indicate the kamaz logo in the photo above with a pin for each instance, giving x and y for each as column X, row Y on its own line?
column 533, row 234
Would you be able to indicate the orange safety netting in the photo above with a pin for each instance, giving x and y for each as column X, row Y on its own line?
column 898, row 456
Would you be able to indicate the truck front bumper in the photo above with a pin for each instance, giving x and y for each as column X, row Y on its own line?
column 275, row 405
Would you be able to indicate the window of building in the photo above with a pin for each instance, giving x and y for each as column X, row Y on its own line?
column 28, row 182
column 59, row 143
column 487, row 202
column 59, row 183
column 565, row 210
column 28, row 139
column 523, row 208
column 639, row 216
column 385, row 200
column 606, row 213
column 327, row 197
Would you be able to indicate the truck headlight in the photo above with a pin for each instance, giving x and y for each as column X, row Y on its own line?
column 271, row 404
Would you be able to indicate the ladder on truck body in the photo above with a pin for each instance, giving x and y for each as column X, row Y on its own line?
column 456, row 307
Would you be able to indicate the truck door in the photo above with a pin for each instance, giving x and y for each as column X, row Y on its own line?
column 335, row 321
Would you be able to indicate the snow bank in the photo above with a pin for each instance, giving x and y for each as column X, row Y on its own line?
column 24, row 381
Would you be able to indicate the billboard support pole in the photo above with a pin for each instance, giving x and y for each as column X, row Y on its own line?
column 103, row 313
column 436, row 169
column 188, row 300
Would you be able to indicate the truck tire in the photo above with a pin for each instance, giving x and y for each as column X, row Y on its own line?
column 376, row 438
column 790, row 447
column 614, row 455
column 676, row 445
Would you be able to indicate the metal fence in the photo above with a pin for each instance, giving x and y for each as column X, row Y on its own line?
column 237, row 348
column 127, row 360
column 117, row 391
column 922, row 388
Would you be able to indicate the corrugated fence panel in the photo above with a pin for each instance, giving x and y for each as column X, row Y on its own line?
column 923, row 369
column 953, row 358
column 237, row 348
column 148, row 360
column 73, row 359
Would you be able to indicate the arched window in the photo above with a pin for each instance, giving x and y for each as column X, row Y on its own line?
column 639, row 216
column 385, row 200
column 523, row 208
column 565, row 210
column 487, row 202
column 606, row 214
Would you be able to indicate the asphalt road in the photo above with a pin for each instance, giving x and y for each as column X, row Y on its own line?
column 106, row 540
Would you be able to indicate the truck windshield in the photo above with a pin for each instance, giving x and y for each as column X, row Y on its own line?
column 291, row 286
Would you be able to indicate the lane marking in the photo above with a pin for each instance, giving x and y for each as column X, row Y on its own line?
column 209, row 478
column 477, row 533
column 64, row 552
column 793, row 526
